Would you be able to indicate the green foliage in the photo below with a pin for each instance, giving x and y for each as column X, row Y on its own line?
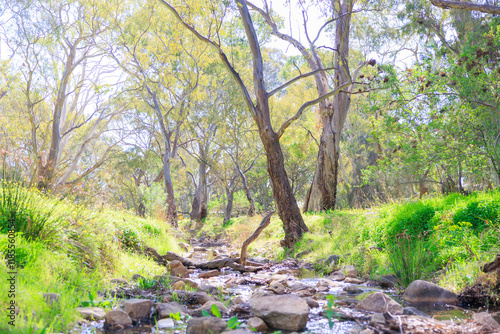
column 478, row 213
column 413, row 217
column 21, row 208
column 330, row 313
column 175, row 316
column 233, row 323
column 78, row 266
column 216, row 311
column 128, row 238
column 152, row 230
column 147, row 284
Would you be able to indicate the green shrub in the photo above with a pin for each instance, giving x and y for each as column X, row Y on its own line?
column 129, row 239
column 414, row 218
column 479, row 213
column 152, row 230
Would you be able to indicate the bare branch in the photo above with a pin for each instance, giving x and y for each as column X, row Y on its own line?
column 301, row 76
column 308, row 104
column 222, row 55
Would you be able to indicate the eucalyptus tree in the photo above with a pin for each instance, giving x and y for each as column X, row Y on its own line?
column 56, row 49
column 333, row 110
column 162, row 65
column 289, row 212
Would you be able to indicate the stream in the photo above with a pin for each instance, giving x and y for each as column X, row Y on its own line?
column 240, row 287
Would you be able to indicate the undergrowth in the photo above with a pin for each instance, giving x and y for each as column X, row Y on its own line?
column 444, row 239
column 64, row 248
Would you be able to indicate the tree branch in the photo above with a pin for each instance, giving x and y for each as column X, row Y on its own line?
column 222, row 55
column 466, row 6
column 301, row 76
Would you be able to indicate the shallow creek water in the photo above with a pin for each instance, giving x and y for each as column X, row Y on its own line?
column 317, row 323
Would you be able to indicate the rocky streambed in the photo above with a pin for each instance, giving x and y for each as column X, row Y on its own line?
column 284, row 297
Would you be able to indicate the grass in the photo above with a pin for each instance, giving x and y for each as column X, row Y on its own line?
column 74, row 251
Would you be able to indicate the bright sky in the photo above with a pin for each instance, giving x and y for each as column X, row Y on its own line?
column 294, row 24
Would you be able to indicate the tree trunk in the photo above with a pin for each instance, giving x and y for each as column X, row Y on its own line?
column 229, row 206
column 246, row 189
column 199, row 208
column 169, row 187
column 288, row 210
column 323, row 191
column 49, row 170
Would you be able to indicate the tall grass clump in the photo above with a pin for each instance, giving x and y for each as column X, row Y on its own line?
column 408, row 258
column 19, row 208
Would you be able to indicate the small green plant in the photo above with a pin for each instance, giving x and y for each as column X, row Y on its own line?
column 129, row 239
column 330, row 313
column 146, row 284
column 216, row 311
column 175, row 316
column 175, row 297
column 233, row 323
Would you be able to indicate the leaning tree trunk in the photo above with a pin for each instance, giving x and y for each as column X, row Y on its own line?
column 323, row 191
column 48, row 171
column 288, row 210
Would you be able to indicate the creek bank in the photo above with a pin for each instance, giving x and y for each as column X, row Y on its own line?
column 263, row 299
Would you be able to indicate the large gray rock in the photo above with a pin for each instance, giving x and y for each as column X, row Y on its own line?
column 91, row 313
column 117, row 317
column 288, row 312
column 206, row 325
column 387, row 282
column 379, row 302
column 138, row 308
column 163, row 310
column 426, row 292
column 165, row 323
